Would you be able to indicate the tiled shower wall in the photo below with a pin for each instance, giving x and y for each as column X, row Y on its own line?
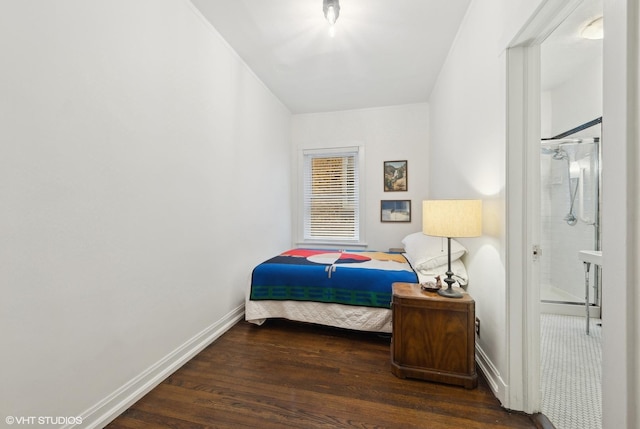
column 560, row 269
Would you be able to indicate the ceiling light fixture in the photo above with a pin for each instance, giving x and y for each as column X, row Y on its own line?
column 593, row 30
column 331, row 9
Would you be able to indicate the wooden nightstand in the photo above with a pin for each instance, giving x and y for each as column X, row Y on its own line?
column 433, row 336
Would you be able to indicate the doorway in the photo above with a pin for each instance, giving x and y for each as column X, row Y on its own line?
column 569, row 160
column 528, row 110
column 619, row 185
column 571, row 116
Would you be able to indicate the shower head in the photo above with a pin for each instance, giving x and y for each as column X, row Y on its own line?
column 548, row 148
column 555, row 151
column 560, row 154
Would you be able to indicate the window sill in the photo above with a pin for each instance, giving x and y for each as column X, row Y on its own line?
column 325, row 244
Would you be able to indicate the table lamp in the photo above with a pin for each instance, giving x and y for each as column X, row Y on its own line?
column 451, row 218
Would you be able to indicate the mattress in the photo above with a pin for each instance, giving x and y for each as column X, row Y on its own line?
column 330, row 314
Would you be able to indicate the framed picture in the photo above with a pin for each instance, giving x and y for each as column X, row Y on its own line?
column 395, row 211
column 395, row 176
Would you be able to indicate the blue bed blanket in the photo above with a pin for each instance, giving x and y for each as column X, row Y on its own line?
column 343, row 277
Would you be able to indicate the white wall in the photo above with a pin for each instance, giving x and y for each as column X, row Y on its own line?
column 575, row 102
column 139, row 183
column 387, row 134
column 467, row 158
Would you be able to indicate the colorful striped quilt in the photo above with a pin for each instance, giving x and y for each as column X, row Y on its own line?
column 343, row 277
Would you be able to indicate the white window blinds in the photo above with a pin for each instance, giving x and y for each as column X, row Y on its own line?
column 331, row 196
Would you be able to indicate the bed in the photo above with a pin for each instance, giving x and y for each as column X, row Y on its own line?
column 344, row 288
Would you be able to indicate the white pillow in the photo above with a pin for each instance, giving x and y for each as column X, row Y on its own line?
column 427, row 252
column 457, row 268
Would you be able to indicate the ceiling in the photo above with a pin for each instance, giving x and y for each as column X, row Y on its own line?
column 379, row 56
column 383, row 52
column 565, row 53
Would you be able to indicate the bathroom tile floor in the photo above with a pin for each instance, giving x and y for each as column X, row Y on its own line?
column 571, row 371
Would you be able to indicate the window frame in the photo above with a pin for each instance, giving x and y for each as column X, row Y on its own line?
column 360, row 241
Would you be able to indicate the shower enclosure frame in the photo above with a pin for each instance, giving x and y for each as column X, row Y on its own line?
column 562, row 138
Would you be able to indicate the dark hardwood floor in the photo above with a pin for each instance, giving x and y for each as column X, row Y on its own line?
column 292, row 375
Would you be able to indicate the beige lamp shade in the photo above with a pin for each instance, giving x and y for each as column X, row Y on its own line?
column 452, row 218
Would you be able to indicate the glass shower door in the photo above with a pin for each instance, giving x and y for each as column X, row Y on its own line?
column 570, row 172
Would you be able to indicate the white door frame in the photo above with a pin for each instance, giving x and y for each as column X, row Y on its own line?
column 523, row 330
column 621, row 215
column 523, row 205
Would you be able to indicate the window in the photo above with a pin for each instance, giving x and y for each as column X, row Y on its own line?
column 331, row 196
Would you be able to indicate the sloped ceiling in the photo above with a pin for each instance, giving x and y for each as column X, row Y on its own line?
column 383, row 52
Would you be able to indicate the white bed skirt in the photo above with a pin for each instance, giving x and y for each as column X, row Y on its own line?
column 337, row 315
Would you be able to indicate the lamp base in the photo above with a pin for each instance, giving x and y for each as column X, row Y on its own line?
column 449, row 293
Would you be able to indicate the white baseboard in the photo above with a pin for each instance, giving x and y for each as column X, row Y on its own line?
column 491, row 374
column 117, row 402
